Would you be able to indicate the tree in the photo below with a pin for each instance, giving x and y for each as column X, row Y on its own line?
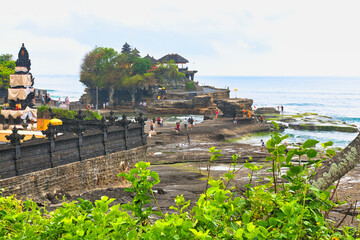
column 338, row 166
column 5, row 58
column 168, row 74
column 100, row 68
column 7, row 67
column 141, row 65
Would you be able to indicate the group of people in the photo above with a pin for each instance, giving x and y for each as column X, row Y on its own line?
column 188, row 124
column 46, row 100
column 160, row 123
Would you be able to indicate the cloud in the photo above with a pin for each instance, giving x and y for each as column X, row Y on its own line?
column 229, row 38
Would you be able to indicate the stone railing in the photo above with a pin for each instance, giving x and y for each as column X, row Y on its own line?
column 80, row 140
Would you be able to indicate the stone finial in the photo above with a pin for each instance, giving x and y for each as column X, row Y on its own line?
column 15, row 138
column 111, row 118
column 140, row 119
column 51, row 132
column 124, row 122
column 79, row 116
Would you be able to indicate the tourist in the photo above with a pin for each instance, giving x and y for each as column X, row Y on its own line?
column 262, row 145
column 185, row 123
column 104, row 106
column 216, row 114
column 244, row 113
column 161, row 122
column 249, row 113
column 282, row 109
column 235, row 120
column 154, row 120
column 48, row 99
column 178, row 126
column 261, row 119
column 158, row 121
column 67, row 102
column 191, row 122
column 59, row 102
column 188, row 138
column 151, row 125
column 278, row 108
column 149, row 133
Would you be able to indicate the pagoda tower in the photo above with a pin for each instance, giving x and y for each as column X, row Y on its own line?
column 21, row 91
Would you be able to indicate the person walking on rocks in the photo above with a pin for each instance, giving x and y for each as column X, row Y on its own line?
column 178, row 126
column 191, row 122
column 261, row 119
column 244, row 113
column 282, row 109
column 158, row 121
column 151, row 126
column 185, row 123
column 216, row 114
column 262, row 145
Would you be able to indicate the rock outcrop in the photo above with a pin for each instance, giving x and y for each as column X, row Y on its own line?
column 202, row 104
column 315, row 127
column 232, row 107
column 266, row 110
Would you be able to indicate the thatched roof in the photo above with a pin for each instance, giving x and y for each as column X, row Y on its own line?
column 153, row 60
column 175, row 57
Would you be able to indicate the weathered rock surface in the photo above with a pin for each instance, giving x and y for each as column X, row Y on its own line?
column 202, row 104
column 232, row 107
column 314, row 127
column 266, row 110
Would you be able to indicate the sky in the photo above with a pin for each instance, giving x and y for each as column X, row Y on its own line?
column 219, row 38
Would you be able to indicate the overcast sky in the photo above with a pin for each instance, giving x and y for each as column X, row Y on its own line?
column 272, row 38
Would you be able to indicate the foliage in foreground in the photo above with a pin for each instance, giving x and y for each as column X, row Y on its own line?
column 281, row 206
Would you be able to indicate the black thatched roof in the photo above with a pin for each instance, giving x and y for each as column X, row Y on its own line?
column 153, row 60
column 175, row 57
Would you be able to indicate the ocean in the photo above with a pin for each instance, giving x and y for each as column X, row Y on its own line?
column 337, row 97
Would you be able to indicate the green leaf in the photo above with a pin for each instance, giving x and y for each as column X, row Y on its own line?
column 331, row 152
column 311, row 153
column 327, row 144
column 250, row 227
column 310, row 143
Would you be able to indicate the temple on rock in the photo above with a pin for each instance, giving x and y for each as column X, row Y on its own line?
column 179, row 60
column 21, row 91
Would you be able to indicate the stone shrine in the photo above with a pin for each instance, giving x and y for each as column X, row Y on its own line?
column 21, row 91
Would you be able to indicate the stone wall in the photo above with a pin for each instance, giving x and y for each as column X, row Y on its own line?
column 39, row 154
column 85, row 175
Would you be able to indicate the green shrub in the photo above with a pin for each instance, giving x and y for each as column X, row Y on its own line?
column 190, row 86
column 285, row 207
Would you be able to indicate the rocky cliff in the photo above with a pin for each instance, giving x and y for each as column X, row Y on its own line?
column 232, row 107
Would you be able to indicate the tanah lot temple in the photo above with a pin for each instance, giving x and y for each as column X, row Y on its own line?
column 20, row 109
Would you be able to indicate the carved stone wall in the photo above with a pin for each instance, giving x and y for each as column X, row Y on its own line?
column 40, row 154
column 84, row 175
